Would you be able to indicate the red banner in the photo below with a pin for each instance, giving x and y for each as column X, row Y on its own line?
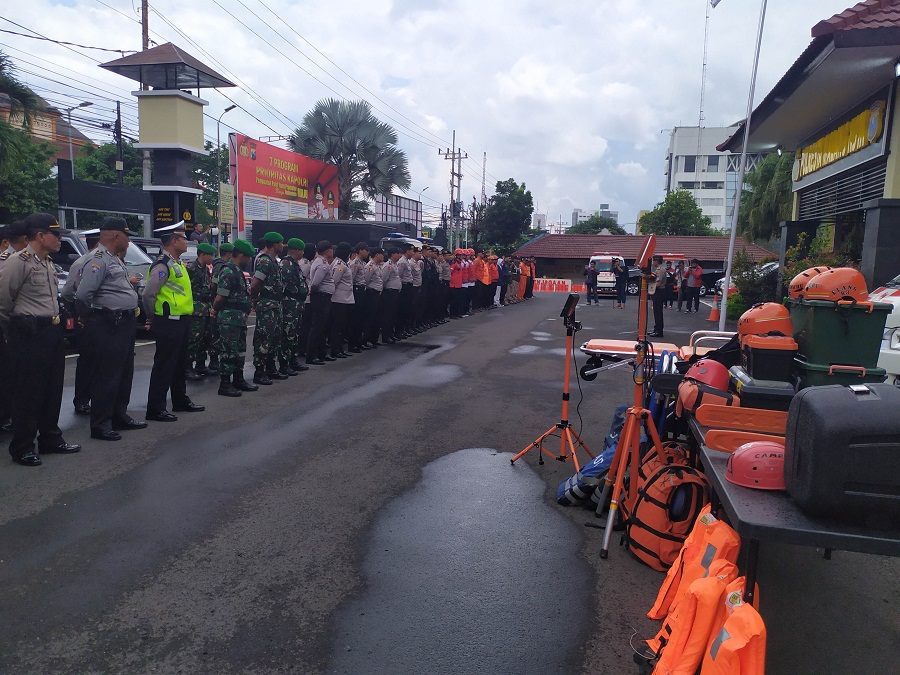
column 276, row 184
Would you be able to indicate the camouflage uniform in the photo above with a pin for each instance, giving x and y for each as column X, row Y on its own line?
column 295, row 292
column 201, row 287
column 214, row 337
column 267, row 335
column 232, row 318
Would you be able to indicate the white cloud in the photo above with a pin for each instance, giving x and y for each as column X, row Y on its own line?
column 631, row 170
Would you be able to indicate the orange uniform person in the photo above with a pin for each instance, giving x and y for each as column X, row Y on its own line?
column 525, row 275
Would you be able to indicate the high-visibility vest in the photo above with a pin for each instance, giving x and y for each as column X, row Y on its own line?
column 684, row 636
column 175, row 292
column 738, row 645
column 710, row 539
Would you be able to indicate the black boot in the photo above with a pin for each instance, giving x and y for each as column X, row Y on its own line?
column 286, row 369
column 226, row 388
column 201, row 368
column 260, row 377
column 191, row 375
column 272, row 371
column 299, row 367
column 242, row 384
column 213, row 367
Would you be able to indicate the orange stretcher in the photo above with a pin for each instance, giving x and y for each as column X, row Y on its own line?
column 622, row 349
column 742, row 419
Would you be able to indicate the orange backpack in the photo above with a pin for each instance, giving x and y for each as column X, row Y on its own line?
column 691, row 394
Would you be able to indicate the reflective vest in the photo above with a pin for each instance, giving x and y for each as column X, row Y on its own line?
column 711, row 539
column 175, row 296
column 738, row 645
column 685, row 633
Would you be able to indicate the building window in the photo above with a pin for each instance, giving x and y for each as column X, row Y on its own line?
column 715, row 220
column 686, row 185
column 690, row 163
column 712, row 163
column 713, row 185
column 712, row 201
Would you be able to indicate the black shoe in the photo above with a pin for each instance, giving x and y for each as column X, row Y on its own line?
column 191, row 375
column 213, row 367
column 161, row 416
column 201, row 369
column 329, row 357
column 228, row 389
column 346, row 355
column 128, row 424
column 287, row 369
column 260, row 377
column 84, row 409
column 275, row 374
column 355, row 350
column 243, row 385
column 340, row 355
column 388, row 341
column 62, row 449
column 366, row 346
column 6, row 427
column 655, row 334
column 105, row 435
column 315, row 362
column 28, row 459
column 189, row 406
column 296, row 365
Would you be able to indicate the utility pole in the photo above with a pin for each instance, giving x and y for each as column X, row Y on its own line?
column 483, row 172
column 120, row 161
column 456, row 156
column 145, row 164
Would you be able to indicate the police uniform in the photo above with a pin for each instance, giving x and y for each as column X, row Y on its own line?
column 341, row 301
column 169, row 302
column 108, row 305
column 233, row 306
column 374, row 285
column 267, row 334
column 200, row 336
column 29, row 312
column 83, row 370
column 355, row 336
column 403, row 328
column 295, row 292
column 390, row 299
column 416, row 266
column 14, row 230
column 321, row 288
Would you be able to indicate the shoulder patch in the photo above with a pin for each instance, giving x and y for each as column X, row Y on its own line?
column 98, row 253
column 24, row 255
column 94, row 268
column 4, row 255
column 163, row 274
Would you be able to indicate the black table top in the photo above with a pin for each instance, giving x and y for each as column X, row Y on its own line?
column 771, row 515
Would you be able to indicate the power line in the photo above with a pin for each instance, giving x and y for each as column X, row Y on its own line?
column 71, row 44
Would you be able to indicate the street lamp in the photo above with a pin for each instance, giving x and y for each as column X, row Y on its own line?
column 219, row 169
column 421, row 209
column 68, row 112
column 740, row 179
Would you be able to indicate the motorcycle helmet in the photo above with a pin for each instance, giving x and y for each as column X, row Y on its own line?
column 765, row 318
column 798, row 283
column 840, row 283
column 758, row 465
column 708, row 372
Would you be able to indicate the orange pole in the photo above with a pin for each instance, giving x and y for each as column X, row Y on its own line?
column 570, row 340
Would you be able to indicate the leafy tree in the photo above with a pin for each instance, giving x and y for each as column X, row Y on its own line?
column 595, row 224
column 359, row 209
column 767, row 197
column 208, row 171
column 97, row 163
column 27, row 185
column 677, row 214
column 364, row 150
column 508, row 215
column 24, row 104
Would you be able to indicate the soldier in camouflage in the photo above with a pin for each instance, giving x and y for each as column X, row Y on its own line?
column 232, row 305
column 295, row 292
column 225, row 251
column 201, row 287
column 267, row 291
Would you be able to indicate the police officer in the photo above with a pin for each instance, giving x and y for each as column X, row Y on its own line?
column 403, row 327
column 267, row 291
column 390, row 296
column 374, row 283
column 16, row 239
column 360, row 260
column 29, row 313
column 341, row 300
column 169, row 303
column 201, row 288
column 321, row 288
column 416, row 267
column 108, row 305
column 231, row 307
column 225, row 252
column 295, row 292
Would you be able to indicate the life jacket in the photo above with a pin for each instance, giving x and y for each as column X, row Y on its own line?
column 738, row 644
column 583, row 484
column 670, row 495
column 681, row 642
column 711, row 539
column 691, row 394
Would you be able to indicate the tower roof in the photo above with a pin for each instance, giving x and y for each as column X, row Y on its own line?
column 167, row 67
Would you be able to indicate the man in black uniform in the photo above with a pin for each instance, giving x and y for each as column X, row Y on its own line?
column 108, row 303
column 29, row 312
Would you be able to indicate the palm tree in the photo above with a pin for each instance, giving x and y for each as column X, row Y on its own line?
column 767, row 198
column 364, row 149
column 23, row 105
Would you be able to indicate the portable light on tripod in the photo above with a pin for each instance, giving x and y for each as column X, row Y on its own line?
column 568, row 437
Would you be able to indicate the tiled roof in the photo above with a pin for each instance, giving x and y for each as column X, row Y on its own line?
column 583, row 246
column 863, row 15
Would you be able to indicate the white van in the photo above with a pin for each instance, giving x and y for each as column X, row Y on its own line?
column 889, row 357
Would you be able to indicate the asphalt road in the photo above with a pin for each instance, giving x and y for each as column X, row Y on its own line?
column 363, row 517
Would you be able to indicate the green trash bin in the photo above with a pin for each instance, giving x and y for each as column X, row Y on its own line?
column 818, row 375
column 844, row 333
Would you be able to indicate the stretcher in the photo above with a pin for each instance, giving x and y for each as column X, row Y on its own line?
column 729, row 440
column 744, row 419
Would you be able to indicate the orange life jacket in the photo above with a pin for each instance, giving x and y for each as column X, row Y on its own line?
column 711, row 539
column 684, row 636
column 738, row 644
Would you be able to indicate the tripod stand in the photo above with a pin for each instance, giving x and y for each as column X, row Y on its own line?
column 568, row 437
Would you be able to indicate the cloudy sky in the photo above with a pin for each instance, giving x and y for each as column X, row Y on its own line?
column 576, row 98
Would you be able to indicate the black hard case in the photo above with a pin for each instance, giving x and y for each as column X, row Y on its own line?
column 842, row 451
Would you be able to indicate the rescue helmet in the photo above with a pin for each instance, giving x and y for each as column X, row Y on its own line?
column 470, row 251
column 840, row 283
column 709, row 372
column 765, row 318
column 798, row 283
column 758, row 465
column 458, row 251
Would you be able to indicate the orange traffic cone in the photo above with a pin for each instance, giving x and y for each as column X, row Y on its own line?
column 714, row 310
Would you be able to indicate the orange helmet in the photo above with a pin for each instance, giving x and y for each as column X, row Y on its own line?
column 758, row 465
column 709, row 372
column 765, row 318
column 458, row 251
column 798, row 283
column 841, row 283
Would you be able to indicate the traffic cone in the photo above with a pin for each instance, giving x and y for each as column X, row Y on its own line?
column 714, row 310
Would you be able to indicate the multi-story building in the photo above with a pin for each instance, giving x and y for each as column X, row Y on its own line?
column 48, row 125
column 539, row 221
column 580, row 215
column 694, row 164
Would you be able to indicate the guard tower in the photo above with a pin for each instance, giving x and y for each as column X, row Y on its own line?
column 171, row 124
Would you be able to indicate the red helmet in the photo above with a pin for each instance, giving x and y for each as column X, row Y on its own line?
column 765, row 318
column 841, row 283
column 709, row 372
column 458, row 251
column 758, row 465
column 470, row 251
column 798, row 283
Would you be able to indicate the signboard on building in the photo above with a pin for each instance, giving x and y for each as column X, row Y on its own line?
column 226, row 203
column 271, row 183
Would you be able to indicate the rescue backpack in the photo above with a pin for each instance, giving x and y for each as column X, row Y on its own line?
column 670, row 494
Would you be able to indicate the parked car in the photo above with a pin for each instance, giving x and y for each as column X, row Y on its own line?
column 153, row 247
column 710, row 278
column 767, row 269
column 889, row 357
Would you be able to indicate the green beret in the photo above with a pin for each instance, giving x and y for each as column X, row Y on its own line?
column 296, row 244
column 273, row 238
column 241, row 246
column 206, row 248
column 226, row 247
